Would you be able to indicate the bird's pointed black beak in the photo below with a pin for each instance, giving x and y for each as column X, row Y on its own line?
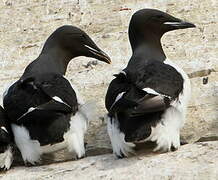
column 98, row 54
column 179, row 24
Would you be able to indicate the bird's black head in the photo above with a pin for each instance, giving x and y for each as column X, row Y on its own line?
column 74, row 42
column 147, row 23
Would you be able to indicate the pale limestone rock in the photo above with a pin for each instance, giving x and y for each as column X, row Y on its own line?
column 25, row 24
column 192, row 162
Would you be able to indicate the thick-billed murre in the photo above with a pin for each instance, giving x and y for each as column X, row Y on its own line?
column 45, row 111
column 147, row 100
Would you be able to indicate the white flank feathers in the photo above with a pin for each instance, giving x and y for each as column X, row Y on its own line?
column 119, row 145
column 78, row 126
column 6, row 158
column 30, row 149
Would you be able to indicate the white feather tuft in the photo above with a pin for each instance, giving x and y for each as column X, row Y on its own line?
column 30, row 149
column 6, row 158
column 78, row 126
column 75, row 136
column 119, row 145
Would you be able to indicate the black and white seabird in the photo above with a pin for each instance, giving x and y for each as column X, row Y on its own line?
column 45, row 111
column 147, row 100
column 6, row 140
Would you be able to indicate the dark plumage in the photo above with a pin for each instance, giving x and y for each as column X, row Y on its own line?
column 6, row 140
column 147, row 100
column 44, row 110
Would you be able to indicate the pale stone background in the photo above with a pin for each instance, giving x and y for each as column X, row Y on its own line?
column 25, row 25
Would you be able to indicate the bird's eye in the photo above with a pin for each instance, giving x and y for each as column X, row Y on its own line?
column 83, row 36
column 159, row 16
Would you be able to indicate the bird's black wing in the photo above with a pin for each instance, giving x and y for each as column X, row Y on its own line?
column 149, row 89
column 161, row 84
column 117, row 86
column 39, row 96
column 59, row 89
column 160, row 77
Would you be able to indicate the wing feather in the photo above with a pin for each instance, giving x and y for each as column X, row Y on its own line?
column 37, row 94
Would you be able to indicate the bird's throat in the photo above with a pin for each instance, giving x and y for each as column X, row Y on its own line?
column 56, row 59
column 146, row 45
column 150, row 50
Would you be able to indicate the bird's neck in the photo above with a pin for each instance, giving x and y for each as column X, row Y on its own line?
column 54, row 60
column 146, row 45
column 57, row 58
column 149, row 51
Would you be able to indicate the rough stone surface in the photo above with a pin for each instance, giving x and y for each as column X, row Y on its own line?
column 192, row 162
column 25, row 24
